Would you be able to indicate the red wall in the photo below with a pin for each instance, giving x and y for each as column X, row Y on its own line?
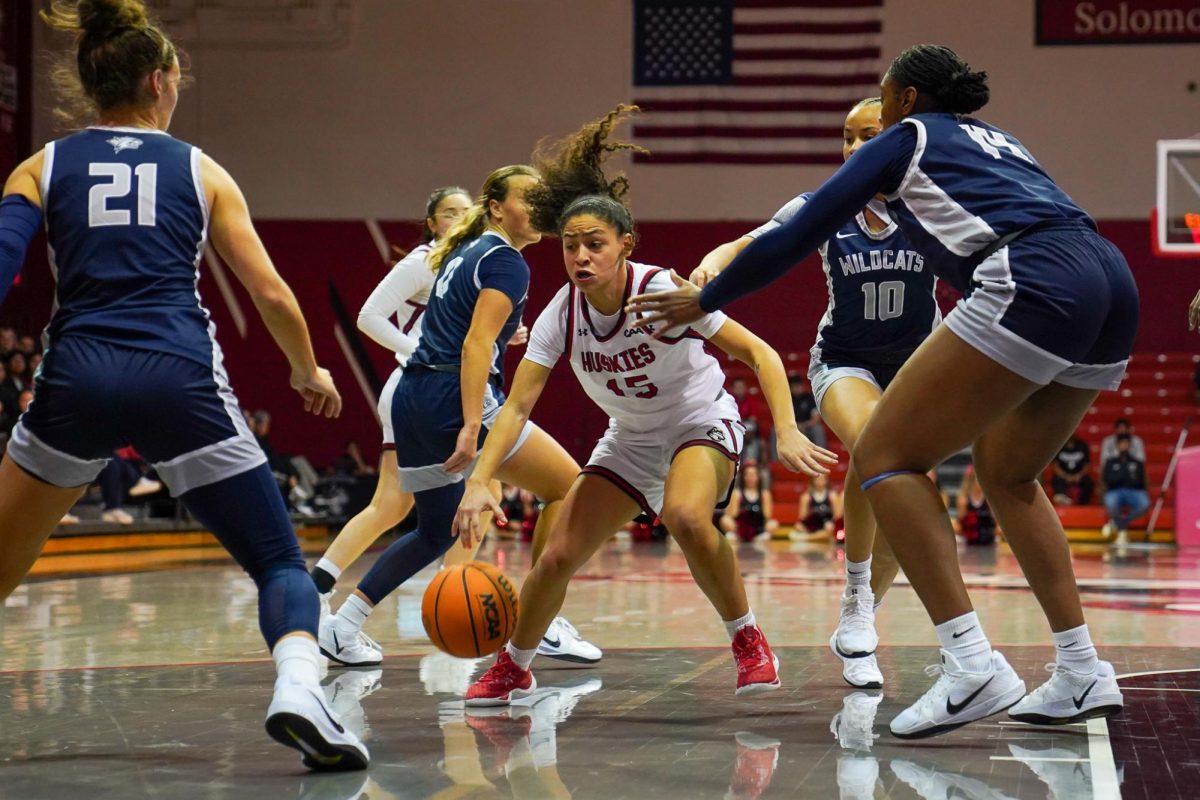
column 313, row 255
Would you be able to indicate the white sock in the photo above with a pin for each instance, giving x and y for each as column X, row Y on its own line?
column 522, row 658
column 732, row 626
column 352, row 615
column 333, row 569
column 298, row 657
column 878, row 603
column 963, row 638
column 1074, row 650
column 858, row 573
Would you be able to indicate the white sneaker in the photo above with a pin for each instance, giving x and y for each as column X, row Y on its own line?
column 1071, row 697
column 853, row 725
column 118, row 516
column 344, row 695
column 933, row 785
column 299, row 718
column 861, row 673
column 144, row 486
column 856, row 777
column 326, row 599
column 563, row 644
column 959, row 697
column 351, row 650
column 855, row 636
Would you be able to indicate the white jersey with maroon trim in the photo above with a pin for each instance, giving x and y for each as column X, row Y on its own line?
column 404, row 292
column 642, row 383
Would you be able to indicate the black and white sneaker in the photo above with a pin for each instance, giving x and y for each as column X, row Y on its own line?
column 563, row 645
column 348, row 649
column 959, row 697
column 1071, row 697
column 299, row 717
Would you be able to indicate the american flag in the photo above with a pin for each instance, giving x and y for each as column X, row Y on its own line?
column 751, row 81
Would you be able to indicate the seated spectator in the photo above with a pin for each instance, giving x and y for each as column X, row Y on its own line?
column 8, row 342
column 1073, row 470
column 804, row 406
column 751, row 510
column 521, row 509
column 121, row 479
column 975, row 521
column 754, row 448
column 351, row 461
column 35, row 361
column 16, row 368
column 8, row 393
column 24, row 399
column 1108, row 448
column 1125, row 494
column 820, row 510
column 750, row 406
column 27, row 345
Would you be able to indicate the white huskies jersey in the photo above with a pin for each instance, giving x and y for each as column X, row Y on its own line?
column 642, row 383
column 403, row 293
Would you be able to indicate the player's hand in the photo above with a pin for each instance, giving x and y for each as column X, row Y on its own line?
column 464, row 451
column 799, row 454
column 320, row 395
column 520, row 336
column 1194, row 313
column 677, row 308
column 477, row 500
column 701, row 275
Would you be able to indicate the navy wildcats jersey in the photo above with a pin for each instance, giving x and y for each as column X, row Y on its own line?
column 126, row 223
column 966, row 184
column 488, row 262
column 881, row 303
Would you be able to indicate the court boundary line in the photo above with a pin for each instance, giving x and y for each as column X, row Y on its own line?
column 1106, row 784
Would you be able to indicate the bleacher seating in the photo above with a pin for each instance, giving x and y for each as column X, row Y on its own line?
column 1157, row 397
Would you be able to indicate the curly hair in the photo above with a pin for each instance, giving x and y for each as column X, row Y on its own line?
column 572, row 171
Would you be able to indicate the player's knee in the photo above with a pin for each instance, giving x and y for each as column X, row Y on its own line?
column 556, row 562
column 687, row 523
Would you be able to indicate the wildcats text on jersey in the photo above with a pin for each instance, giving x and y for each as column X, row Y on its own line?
column 873, row 260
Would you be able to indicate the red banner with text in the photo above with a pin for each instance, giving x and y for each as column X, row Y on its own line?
column 1117, row 21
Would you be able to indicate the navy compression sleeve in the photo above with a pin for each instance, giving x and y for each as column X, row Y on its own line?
column 19, row 223
column 878, row 166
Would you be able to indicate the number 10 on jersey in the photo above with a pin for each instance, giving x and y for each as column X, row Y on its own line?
column 884, row 300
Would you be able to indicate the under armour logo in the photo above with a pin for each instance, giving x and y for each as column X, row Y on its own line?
column 120, row 143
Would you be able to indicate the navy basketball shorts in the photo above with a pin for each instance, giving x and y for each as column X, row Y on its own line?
column 92, row 397
column 822, row 374
column 1059, row 305
column 426, row 420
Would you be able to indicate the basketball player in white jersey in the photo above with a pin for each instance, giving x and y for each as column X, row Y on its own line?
column 674, row 437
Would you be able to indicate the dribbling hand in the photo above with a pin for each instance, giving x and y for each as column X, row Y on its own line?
column 477, row 499
column 464, row 451
column 799, row 454
column 320, row 395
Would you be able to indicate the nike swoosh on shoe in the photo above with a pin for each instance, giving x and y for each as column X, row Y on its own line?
column 1078, row 701
column 954, row 708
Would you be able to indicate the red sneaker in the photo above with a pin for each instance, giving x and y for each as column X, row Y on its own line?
column 757, row 757
column 501, row 684
column 757, row 666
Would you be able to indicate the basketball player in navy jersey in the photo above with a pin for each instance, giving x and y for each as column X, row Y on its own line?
column 131, row 356
column 447, row 401
column 881, row 307
column 1048, row 321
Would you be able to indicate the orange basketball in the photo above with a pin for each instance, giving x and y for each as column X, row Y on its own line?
column 469, row 610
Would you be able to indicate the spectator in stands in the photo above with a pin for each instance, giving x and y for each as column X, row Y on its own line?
column 1108, row 448
column 755, row 447
column 750, row 406
column 285, row 471
column 35, row 361
column 8, row 342
column 974, row 521
column 804, row 406
column 1125, row 494
column 1073, row 469
column 820, row 510
column 751, row 510
column 122, row 478
column 7, row 421
column 8, row 394
column 521, row 509
column 351, row 461
column 27, row 345
column 24, row 399
column 18, row 368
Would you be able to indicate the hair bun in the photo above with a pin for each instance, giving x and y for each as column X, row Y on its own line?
column 101, row 18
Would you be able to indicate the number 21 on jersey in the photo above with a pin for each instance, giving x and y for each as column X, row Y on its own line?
column 119, row 184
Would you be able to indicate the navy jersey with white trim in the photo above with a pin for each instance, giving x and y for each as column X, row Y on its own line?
column 954, row 185
column 126, row 222
column 488, row 262
column 881, row 304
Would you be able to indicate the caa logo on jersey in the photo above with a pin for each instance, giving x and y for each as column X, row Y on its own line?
column 716, row 434
column 120, row 143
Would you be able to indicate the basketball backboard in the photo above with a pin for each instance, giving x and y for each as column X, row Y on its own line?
column 1176, row 218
